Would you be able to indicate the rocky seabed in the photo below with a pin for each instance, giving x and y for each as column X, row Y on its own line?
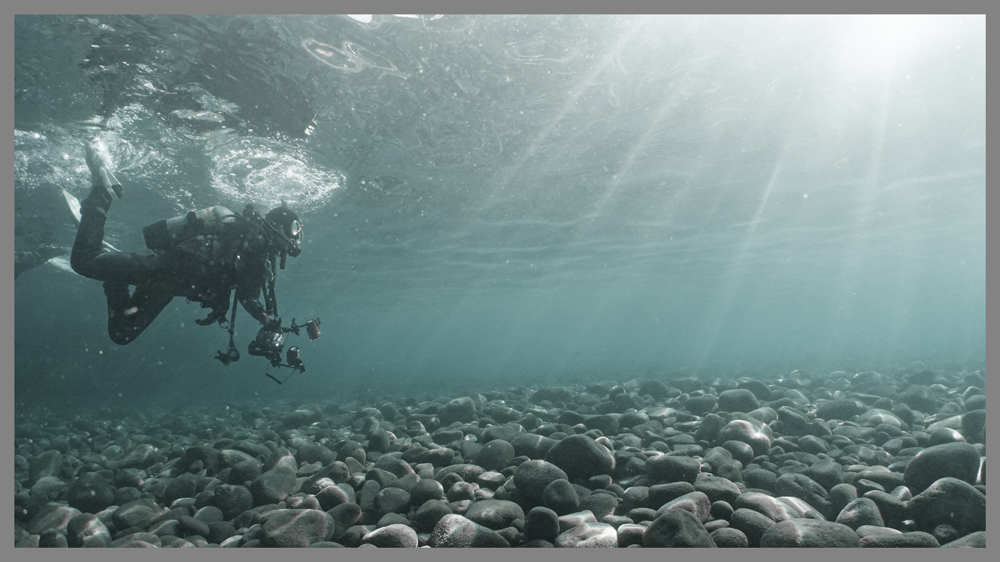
column 862, row 460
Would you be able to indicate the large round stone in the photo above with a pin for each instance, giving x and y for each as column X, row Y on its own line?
column 809, row 533
column 494, row 514
column 286, row 528
column 588, row 535
column 842, row 409
column 579, row 456
column 458, row 410
column 495, row 455
column 673, row 468
column 273, row 486
column 542, row 524
column 531, row 478
column 90, row 494
column 738, row 400
column 455, row 531
column 950, row 460
column 392, row 536
column 561, row 497
column 750, row 431
column 232, row 500
column 949, row 501
column 861, row 511
column 677, row 528
column 532, row 445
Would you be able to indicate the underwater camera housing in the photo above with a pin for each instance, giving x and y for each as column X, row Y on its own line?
column 270, row 342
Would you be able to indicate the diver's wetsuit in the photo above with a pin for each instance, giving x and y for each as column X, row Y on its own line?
column 239, row 257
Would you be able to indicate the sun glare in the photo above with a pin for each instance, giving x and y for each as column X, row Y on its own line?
column 880, row 43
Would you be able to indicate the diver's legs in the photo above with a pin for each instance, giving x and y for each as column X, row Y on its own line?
column 130, row 316
column 88, row 257
column 90, row 234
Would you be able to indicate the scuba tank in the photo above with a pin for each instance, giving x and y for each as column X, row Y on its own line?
column 168, row 233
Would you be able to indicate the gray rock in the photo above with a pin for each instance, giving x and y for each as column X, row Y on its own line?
column 232, row 500
column 467, row 472
column 54, row 518
column 861, row 511
column 48, row 463
column 827, row 473
column 738, row 400
column 949, row 501
column 394, row 465
column 759, row 478
column 915, row 539
column 561, row 497
column 751, row 431
column 552, row 394
column 588, row 535
column 184, row 486
column 192, row 526
column 332, row 496
column 972, row 540
column 494, row 514
column 455, row 531
column 219, row 531
column 579, row 456
column 920, row 398
column 717, row 488
column 426, row 517
column 495, row 455
column 87, row 527
column 843, row 409
column 90, row 494
column 460, row 409
column 541, row 523
column 426, row 489
column 137, row 540
column 140, row 456
column 600, row 504
column 802, row 487
column 701, row 405
column 809, row 533
column 677, row 528
column 392, row 536
column 533, row 476
column 751, row 523
column 670, row 468
column 728, row 537
column 139, row 513
column 659, row 494
column 300, row 417
column 696, row 503
column 287, row 528
column 244, row 472
column 767, row 506
column 273, row 486
column 391, row 500
column 951, row 460
column 344, row 517
column 570, row 520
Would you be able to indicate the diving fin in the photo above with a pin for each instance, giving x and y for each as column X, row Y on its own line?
column 74, row 207
column 99, row 162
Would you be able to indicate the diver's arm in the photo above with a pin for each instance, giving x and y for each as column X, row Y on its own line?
column 248, row 294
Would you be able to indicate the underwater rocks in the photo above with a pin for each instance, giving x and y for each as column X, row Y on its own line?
column 864, row 460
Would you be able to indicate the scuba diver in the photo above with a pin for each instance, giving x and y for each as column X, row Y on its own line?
column 203, row 256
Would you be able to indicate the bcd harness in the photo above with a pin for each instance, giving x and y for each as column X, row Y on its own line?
column 184, row 230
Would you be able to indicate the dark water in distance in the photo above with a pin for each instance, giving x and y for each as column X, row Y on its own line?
column 495, row 201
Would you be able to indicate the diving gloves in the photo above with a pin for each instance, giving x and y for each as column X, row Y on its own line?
column 99, row 162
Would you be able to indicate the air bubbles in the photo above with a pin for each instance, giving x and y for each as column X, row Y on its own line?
column 264, row 171
column 349, row 58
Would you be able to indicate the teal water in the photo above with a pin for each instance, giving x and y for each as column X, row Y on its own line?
column 495, row 201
